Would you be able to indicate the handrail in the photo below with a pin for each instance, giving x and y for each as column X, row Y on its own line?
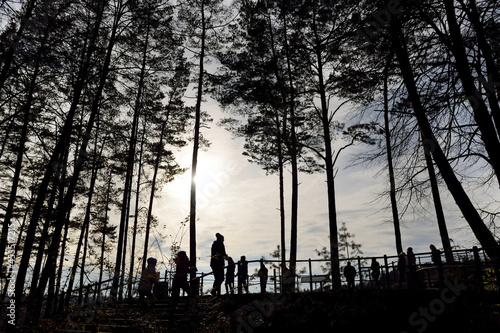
column 475, row 256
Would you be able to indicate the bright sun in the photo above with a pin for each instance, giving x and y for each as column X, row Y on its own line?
column 209, row 178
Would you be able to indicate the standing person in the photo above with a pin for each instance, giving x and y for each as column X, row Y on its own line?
column 263, row 275
column 229, row 284
column 402, row 268
column 182, row 268
column 288, row 280
column 375, row 267
column 411, row 263
column 242, row 275
column 148, row 277
column 435, row 255
column 350, row 274
column 436, row 259
column 218, row 254
column 410, row 257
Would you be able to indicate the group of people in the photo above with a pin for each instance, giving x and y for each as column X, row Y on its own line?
column 406, row 268
column 180, row 281
column 217, row 263
column 350, row 273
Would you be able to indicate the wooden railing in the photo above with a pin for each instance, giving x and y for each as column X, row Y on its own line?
column 472, row 267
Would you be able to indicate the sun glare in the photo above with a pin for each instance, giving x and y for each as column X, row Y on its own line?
column 210, row 177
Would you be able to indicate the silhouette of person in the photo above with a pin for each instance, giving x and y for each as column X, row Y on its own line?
column 350, row 274
column 435, row 255
column 242, row 275
column 402, row 268
column 411, row 263
column 411, row 260
column 229, row 284
column 149, row 277
column 436, row 259
column 218, row 253
column 288, row 279
column 182, row 268
column 375, row 267
column 263, row 275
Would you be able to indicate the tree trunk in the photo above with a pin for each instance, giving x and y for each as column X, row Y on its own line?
column 392, row 180
column 196, row 143
column 329, row 165
column 292, row 148
column 103, row 243
column 443, row 230
column 482, row 233
column 279, row 141
column 136, row 213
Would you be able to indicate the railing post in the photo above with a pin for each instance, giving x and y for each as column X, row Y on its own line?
column 86, row 298
column 94, row 298
column 310, row 276
column 360, row 270
column 61, row 303
column 387, row 277
column 440, row 270
column 274, row 276
column 478, row 272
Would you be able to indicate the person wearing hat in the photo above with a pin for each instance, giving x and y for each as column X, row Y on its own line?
column 218, row 254
column 148, row 278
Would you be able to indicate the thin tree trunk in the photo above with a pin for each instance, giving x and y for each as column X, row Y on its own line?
column 125, row 234
column 82, row 268
column 443, row 230
column 392, row 180
column 136, row 213
column 279, row 143
column 196, row 143
column 103, row 244
column 292, row 147
column 281, row 193
column 330, row 175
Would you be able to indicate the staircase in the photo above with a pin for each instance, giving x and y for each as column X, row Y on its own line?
column 138, row 316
